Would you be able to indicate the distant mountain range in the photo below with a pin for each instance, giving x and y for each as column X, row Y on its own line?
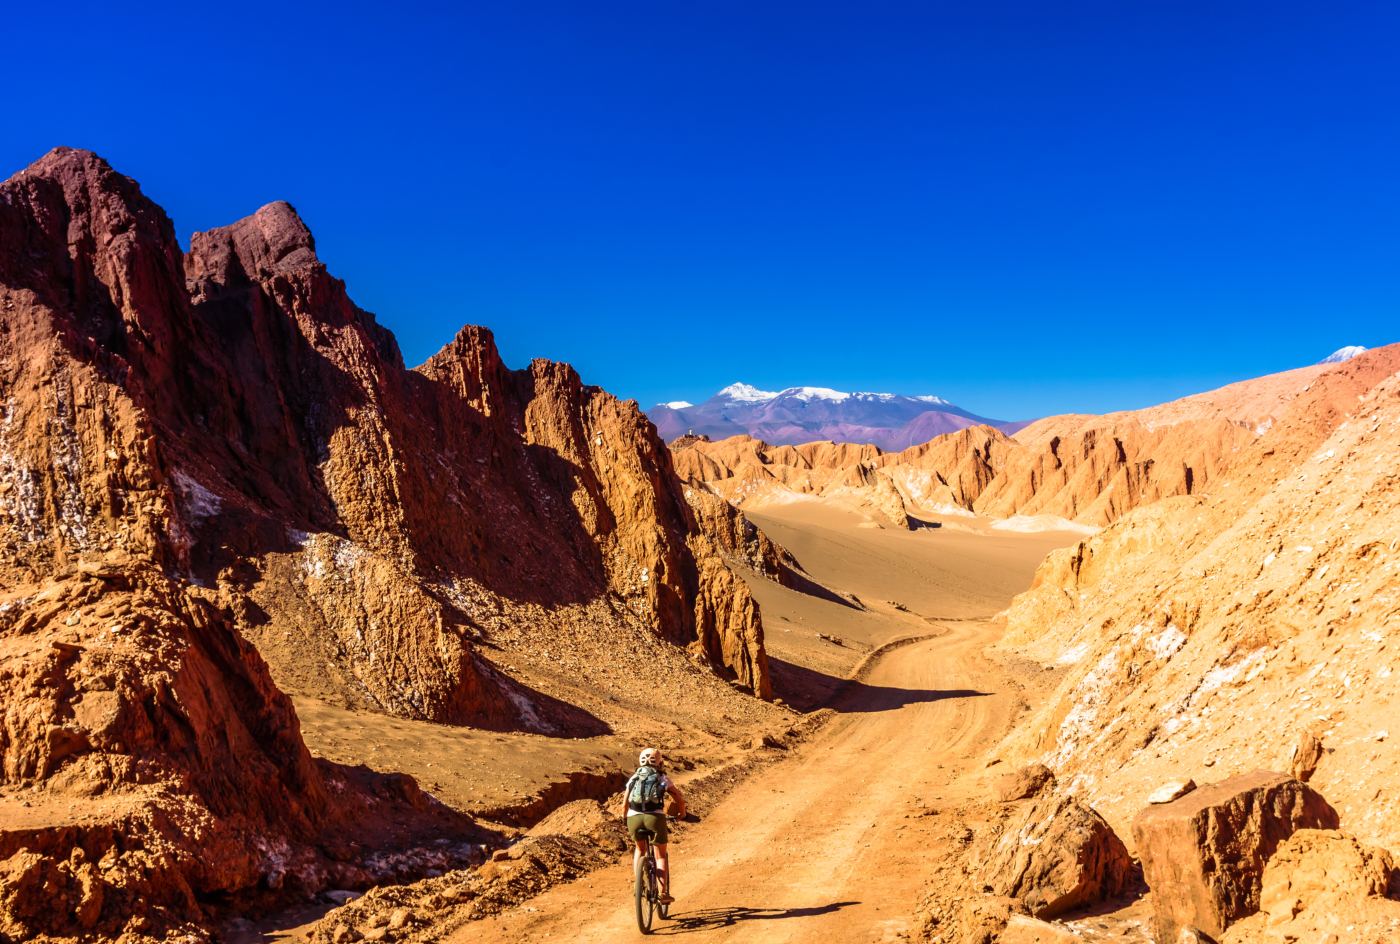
column 803, row 414
column 799, row 415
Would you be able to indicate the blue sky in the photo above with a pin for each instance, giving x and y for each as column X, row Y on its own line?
column 1026, row 208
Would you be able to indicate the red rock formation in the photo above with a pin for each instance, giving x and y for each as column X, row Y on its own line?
column 288, row 436
column 197, row 450
column 1096, row 475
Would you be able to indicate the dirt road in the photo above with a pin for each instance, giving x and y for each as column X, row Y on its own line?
column 818, row 847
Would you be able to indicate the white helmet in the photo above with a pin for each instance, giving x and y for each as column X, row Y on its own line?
column 651, row 757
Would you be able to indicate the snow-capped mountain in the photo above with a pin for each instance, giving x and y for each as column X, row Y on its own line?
column 803, row 414
column 1343, row 354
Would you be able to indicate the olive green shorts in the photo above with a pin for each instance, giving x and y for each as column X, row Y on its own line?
column 656, row 822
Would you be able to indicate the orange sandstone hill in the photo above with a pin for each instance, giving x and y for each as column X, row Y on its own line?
column 1203, row 636
column 1207, row 654
column 1069, row 471
column 218, row 480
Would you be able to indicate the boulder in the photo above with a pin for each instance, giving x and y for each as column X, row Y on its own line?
column 1314, row 866
column 1023, row 930
column 1057, row 854
column 1306, row 754
column 1324, row 885
column 1203, row 855
column 1022, row 784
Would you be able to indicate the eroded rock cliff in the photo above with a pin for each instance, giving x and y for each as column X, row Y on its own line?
column 216, row 473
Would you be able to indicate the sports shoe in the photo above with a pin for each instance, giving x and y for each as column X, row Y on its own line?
column 666, row 899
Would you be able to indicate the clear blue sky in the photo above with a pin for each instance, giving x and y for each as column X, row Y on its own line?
column 1024, row 207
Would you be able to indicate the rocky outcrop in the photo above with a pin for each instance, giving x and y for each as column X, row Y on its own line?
column 148, row 766
column 1324, row 885
column 385, row 517
column 1203, row 855
column 1022, row 783
column 1005, row 869
column 134, row 693
column 740, row 540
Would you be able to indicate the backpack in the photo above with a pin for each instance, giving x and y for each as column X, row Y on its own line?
column 647, row 793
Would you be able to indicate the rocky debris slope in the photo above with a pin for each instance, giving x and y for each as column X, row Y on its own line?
column 1063, row 471
column 576, row 839
column 1205, row 637
column 200, row 450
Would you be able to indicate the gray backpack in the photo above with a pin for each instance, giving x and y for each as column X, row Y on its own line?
column 647, row 793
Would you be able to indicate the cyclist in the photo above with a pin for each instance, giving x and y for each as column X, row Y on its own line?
column 644, row 807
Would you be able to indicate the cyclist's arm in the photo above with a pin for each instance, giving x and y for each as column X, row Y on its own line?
column 675, row 792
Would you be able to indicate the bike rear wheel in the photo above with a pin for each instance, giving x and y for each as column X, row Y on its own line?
column 644, row 893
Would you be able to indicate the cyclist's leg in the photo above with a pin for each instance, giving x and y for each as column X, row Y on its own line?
column 639, row 845
column 663, row 868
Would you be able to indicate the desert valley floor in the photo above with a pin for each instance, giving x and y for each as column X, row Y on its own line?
column 831, row 839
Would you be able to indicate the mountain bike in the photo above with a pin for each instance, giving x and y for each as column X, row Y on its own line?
column 646, row 885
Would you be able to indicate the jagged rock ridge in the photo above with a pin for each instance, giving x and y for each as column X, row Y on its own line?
column 198, row 449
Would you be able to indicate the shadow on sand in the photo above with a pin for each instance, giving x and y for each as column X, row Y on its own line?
column 807, row 689
column 710, row 919
column 858, row 697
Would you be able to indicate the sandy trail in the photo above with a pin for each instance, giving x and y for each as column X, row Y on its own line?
column 821, row 846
